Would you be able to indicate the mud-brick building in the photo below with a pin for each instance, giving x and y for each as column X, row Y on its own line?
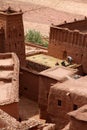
column 70, row 39
column 78, row 119
column 9, row 84
column 12, row 33
column 47, row 79
column 66, row 97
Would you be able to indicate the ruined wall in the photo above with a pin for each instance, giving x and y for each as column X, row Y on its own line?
column 29, row 82
column 64, row 42
column 44, row 87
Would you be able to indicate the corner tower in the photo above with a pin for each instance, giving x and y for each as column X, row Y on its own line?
column 12, row 23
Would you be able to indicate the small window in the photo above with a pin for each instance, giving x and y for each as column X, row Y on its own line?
column 20, row 34
column 75, row 107
column 59, row 103
column 25, row 88
column 47, row 95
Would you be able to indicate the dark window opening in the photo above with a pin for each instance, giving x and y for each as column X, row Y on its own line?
column 20, row 34
column 15, row 45
column 59, row 103
column 75, row 107
column 9, row 36
column 47, row 95
column 25, row 88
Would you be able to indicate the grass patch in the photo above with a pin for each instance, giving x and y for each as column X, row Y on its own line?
column 36, row 38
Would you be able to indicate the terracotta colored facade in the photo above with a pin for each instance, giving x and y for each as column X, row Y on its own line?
column 58, row 90
column 78, row 119
column 9, row 83
column 29, row 84
column 47, row 79
column 13, row 38
column 66, row 97
column 69, row 39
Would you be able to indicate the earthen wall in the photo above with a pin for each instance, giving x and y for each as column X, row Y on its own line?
column 77, row 124
column 2, row 40
column 76, row 25
column 35, row 66
column 64, row 42
column 60, row 103
column 14, row 34
column 29, row 82
column 44, row 87
column 12, row 109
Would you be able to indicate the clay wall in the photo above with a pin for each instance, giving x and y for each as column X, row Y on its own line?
column 44, row 87
column 12, row 109
column 77, row 124
column 2, row 40
column 29, row 82
column 7, row 122
column 14, row 34
column 60, row 103
column 76, row 25
column 35, row 66
column 64, row 42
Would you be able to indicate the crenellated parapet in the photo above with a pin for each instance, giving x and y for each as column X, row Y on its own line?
column 65, row 35
column 69, row 39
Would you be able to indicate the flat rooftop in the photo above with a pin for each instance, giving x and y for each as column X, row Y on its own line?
column 49, row 61
column 58, row 72
column 44, row 60
column 74, row 87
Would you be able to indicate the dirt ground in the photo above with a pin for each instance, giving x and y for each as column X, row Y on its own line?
column 29, row 110
column 39, row 14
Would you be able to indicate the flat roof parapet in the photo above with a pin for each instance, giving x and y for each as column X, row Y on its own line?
column 10, row 11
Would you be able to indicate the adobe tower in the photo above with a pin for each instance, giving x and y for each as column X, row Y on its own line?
column 12, row 24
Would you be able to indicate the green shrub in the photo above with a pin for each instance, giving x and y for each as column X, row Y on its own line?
column 35, row 37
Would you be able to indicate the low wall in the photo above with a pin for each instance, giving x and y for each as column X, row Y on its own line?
column 36, row 66
column 12, row 109
column 76, row 24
